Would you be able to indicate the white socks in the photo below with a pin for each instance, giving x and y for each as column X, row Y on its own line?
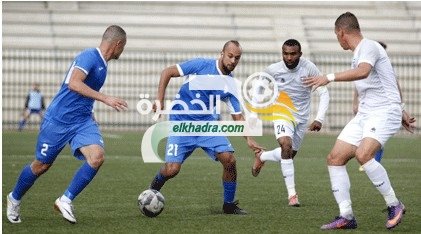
column 273, row 155
column 339, row 180
column 378, row 176
column 287, row 168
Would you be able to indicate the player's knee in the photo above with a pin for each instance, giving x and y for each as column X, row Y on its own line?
column 39, row 168
column 334, row 160
column 362, row 157
column 96, row 160
column 228, row 160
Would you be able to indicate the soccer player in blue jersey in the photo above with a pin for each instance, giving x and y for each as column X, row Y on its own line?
column 218, row 148
column 69, row 119
column 34, row 104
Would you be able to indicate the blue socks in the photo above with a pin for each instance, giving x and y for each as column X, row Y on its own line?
column 158, row 181
column 24, row 183
column 83, row 176
column 229, row 191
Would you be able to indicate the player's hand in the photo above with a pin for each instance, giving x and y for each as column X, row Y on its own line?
column 157, row 107
column 408, row 122
column 315, row 126
column 116, row 103
column 253, row 145
column 315, row 81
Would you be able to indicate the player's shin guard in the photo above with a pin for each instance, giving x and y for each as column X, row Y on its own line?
column 340, row 187
column 25, row 181
column 229, row 191
column 82, row 178
column 378, row 176
column 158, row 181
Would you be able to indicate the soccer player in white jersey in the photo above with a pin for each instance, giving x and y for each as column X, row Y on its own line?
column 69, row 120
column 379, row 118
column 218, row 148
column 408, row 126
column 289, row 132
column 34, row 104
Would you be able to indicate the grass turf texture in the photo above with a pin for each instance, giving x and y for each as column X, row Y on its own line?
column 194, row 197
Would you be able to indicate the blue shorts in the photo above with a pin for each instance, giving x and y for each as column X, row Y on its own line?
column 53, row 137
column 179, row 148
column 34, row 111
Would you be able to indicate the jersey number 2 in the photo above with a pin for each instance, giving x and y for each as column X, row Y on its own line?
column 44, row 149
column 171, row 148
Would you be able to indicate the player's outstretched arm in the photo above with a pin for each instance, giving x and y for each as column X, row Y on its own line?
column 358, row 73
column 76, row 84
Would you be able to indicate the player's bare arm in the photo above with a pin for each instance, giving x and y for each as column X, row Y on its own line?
column 76, row 84
column 408, row 121
column 359, row 73
column 252, row 144
column 166, row 75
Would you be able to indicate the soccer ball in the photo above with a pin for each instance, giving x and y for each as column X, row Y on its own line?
column 151, row 202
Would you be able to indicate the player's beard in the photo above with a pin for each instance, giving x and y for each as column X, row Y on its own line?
column 293, row 65
column 228, row 68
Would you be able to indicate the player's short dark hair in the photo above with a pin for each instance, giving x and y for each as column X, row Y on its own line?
column 292, row 42
column 348, row 22
column 235, row 42
column 114, row 32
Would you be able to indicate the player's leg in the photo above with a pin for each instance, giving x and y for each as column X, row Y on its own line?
column 229, row 183
column 341, row 153
column 86, row 144
column 281, row 128
column 26, row 179
column 378, row 157
column 25, row 117
column 385, row 125
column 343, row 150
column 177, row 150
column 218, row 148
column 290, row 146
column 168, row 171
column 46, row 151
column 94, row 155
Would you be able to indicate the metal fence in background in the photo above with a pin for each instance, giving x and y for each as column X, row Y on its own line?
column 137, row 73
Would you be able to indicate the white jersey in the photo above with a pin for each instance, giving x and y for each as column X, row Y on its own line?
column 379, row 89
column 290, row 82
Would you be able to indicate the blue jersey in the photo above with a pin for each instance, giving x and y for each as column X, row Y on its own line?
column 207, row 69
column 69, row 107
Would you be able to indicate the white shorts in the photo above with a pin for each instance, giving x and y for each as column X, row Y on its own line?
column 287, row 128
column 380, row 124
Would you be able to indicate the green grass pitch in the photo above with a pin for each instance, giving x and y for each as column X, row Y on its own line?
column 194, row 197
